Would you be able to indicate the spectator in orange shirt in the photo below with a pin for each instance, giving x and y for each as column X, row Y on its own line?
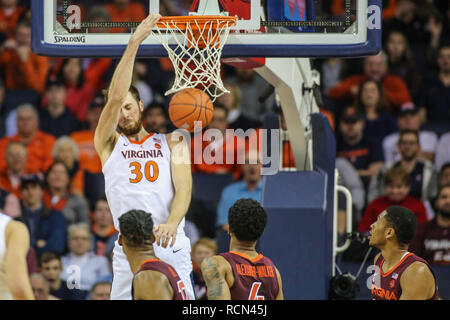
column 65, row 150
column 79, row 92
column 375, row 68
column 10, row 13
column 57, row 195
column 213, row 156
column 16, row 161
column 125, row 11
column 88, row 157
column 23, row 69
column 398, row 182
column 38, row 143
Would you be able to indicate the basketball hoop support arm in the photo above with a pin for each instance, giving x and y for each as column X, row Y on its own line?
column 290, row 76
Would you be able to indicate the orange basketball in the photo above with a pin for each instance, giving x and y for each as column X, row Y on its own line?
column 188, row 106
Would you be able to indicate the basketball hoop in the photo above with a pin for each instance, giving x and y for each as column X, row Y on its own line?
column 196, row 50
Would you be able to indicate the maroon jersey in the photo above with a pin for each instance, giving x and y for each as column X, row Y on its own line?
column 254, row 279
column 179, row 290
column 390, row 288
column 432, row 243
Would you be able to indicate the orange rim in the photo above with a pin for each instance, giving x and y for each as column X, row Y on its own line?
column 195, row 22
column 197, row 25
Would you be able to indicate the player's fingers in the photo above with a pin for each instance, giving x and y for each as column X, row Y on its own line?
column 174, row 238
column 165, row 241
column 158, row 238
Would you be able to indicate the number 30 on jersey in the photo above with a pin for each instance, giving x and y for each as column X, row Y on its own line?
column 151, row 171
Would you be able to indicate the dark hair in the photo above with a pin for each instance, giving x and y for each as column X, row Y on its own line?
column 383, row 103
column 156, row 105
column 445, row 45
column 397, row 173
column 49, row 256
column 408, row 131
column 403, row 221
column 80, row 80
column 407, row 54
column 439, row 190
column 247, row 219
column 102, row 198
column 444, row 167
column 136, row 228
column 47, row 173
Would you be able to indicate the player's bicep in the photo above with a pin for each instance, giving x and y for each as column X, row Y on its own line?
column 213, row 274
column 417, row 282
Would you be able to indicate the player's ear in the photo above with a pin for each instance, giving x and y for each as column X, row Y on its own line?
column 141, row 105
column 120, row 241
column 389, row 233
column 153, row 237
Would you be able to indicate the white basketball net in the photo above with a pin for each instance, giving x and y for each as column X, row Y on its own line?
column 195, row 55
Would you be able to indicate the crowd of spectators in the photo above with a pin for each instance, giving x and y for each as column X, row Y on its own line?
column 390, row 114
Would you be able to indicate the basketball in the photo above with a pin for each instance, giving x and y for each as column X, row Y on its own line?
column 188, row 106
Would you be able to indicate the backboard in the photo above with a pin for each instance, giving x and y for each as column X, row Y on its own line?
column 265, row 28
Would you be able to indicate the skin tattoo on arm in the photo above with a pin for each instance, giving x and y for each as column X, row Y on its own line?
column 215, row 282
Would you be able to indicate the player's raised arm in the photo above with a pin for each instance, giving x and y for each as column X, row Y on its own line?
column 17, row 243
column 105, row 134
column 214, row 275
column 182, row 182
column 417, row 282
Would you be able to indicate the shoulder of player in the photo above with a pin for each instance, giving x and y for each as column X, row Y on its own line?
column 417, row 271
column 149, row 278
column 105, row 147
column 16, row 228
column 17, row 232
column 215, row 266
column 417, row 282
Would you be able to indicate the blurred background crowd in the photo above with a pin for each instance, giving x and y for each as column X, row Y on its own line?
column 390, row 114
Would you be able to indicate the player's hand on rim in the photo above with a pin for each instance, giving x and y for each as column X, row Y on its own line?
column 163, row 233
column 146, row 26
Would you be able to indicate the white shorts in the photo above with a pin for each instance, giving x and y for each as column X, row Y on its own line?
column 178, row 256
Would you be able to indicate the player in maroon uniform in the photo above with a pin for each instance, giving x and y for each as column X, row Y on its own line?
column 399, row 274
column 153, row 278
column 242, row 273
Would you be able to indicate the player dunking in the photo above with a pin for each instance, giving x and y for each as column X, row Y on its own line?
column 141, row 171
column 399, row 274
column 153, row 278
column 14, row 245
column 242, row 273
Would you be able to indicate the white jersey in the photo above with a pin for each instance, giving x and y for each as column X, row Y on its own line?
column 4, row 289
column 138, row 176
